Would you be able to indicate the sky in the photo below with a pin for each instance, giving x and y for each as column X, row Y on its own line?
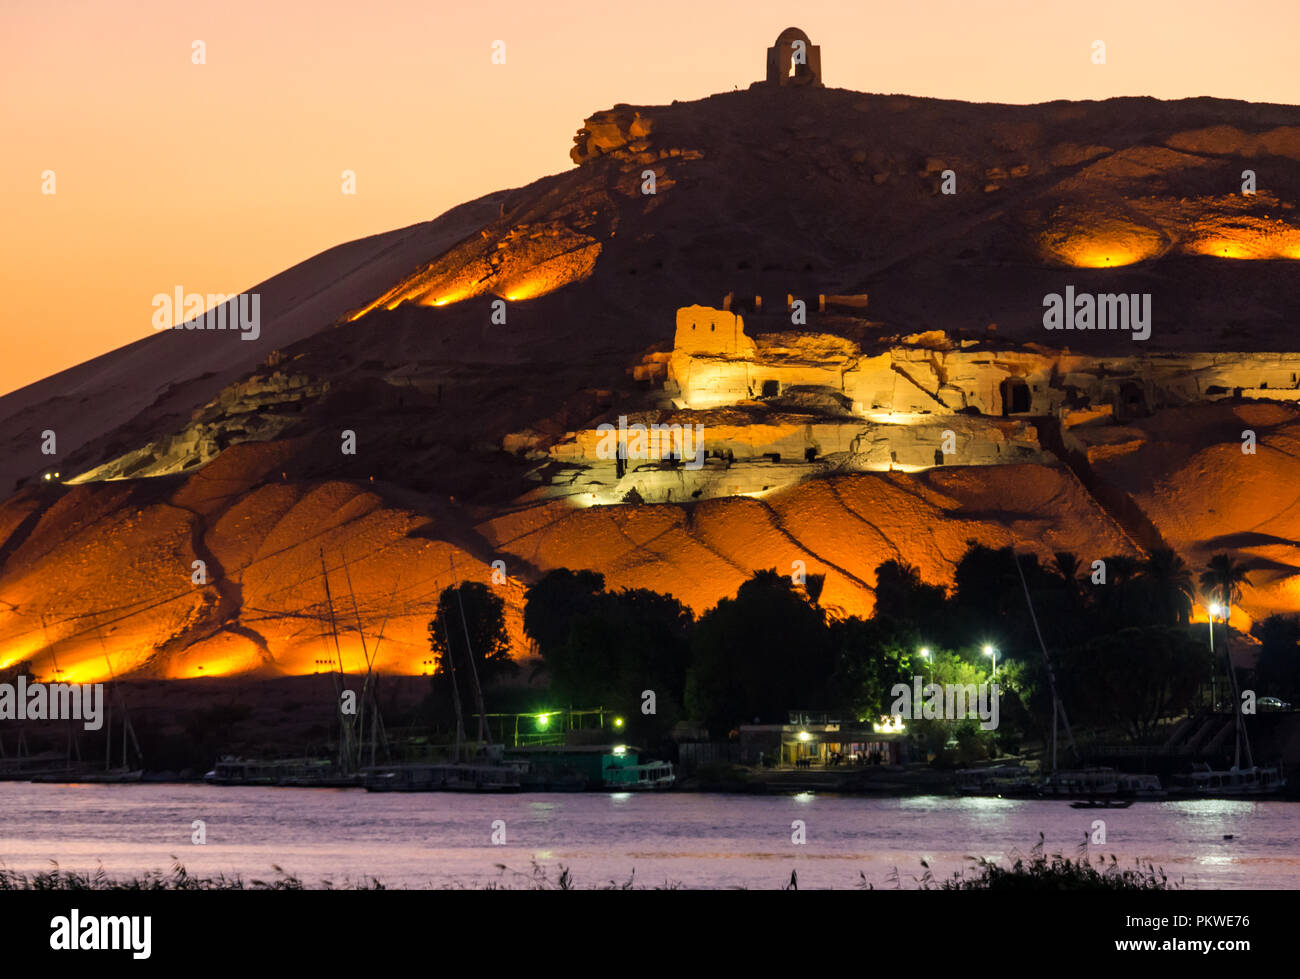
column 216, row 176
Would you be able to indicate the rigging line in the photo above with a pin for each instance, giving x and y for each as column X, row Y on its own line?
column 1047, row 661
column 469, row 652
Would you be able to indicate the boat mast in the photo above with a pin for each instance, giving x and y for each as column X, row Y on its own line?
column 484, row 732
column 127, row 727
column 372, row 680
column 455, row 691
column 344, row 750
column 365, row 683
column 1242, row 736
column 1057, row 706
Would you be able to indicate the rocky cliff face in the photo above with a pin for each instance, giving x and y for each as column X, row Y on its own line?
column 257, row 409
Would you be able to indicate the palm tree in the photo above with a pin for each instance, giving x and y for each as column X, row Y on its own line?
column 1120, row 568
column 1066, row 565
column 1170, row 583
column 1222, row 581
column 1115, row 601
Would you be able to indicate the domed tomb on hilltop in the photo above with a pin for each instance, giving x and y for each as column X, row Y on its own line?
column 794, row 60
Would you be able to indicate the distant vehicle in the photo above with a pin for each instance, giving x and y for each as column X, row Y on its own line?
column 1272, row 703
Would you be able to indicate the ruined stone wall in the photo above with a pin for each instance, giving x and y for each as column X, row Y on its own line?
column 711, row 372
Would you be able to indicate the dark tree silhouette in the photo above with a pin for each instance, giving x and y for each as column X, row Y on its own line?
column 763, row 653
column 551, row 604
column 1169, row 584
column 484, row 620
column 1222, row 580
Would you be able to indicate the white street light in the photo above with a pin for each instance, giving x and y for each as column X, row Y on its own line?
column 990, row 651
column 1215, row 610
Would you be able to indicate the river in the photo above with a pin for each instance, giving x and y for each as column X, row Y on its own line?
column 684, row 839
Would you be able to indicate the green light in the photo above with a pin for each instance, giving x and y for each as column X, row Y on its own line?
column 543, row 720
column 618, row 722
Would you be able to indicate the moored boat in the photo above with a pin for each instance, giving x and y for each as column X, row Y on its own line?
column 443, row 777
column 1086, row 783
column 112, row 776
column 1205, row 781
column 1111, row 803
column 997, row 780
column 649, row 776
column 299, row 772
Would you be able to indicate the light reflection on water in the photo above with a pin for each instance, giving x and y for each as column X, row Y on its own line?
column 440, row 840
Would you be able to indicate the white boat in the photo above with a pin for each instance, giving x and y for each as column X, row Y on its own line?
column 1203, row 780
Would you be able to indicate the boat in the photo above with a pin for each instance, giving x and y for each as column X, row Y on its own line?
column 111, row 777
column 70, row 771
column 486, row 771
column 549, row 781
column 300, row 772
column 1206, row 782
column 25, row 767
column 1141, row 786
column 996, row 780
column 448, row 777
column 1252, row 780
column 1101, row 804
column 649, row 776
column 1086, row 783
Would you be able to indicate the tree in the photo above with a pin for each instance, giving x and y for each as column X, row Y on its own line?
column 901, row 595
column 1279, row 656
column 1222, row 580
column 1169, row 584
column 1123, row 601
column 551, row 604
column 989, row 600
column 1066, row 566
column 987, row 584
column 871, row 656
column 1136, row 678
column 1121, row 569
column 761, row 654
column 626, row 643
column 484, row 623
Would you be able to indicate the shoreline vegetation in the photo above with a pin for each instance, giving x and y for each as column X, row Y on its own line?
column 1145, row 694
column 1035, row 871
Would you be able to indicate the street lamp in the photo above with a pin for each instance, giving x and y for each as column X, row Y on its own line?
column 925, row 652
column 1215, row 609
column 990, row 651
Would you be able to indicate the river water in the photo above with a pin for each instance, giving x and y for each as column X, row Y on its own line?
column 684, row 839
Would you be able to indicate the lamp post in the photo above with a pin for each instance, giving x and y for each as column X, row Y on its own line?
column 1214, row 674
column 990, row 651
column 925, row 653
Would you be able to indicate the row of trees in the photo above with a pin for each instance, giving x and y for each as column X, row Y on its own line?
column 1118, row 633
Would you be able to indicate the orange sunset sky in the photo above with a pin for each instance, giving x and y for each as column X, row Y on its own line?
column 216, row 176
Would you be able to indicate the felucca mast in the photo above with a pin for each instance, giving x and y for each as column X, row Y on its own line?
column 1057, row 706
column 1242, row 736
column 484, row 732
column 345, row 752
